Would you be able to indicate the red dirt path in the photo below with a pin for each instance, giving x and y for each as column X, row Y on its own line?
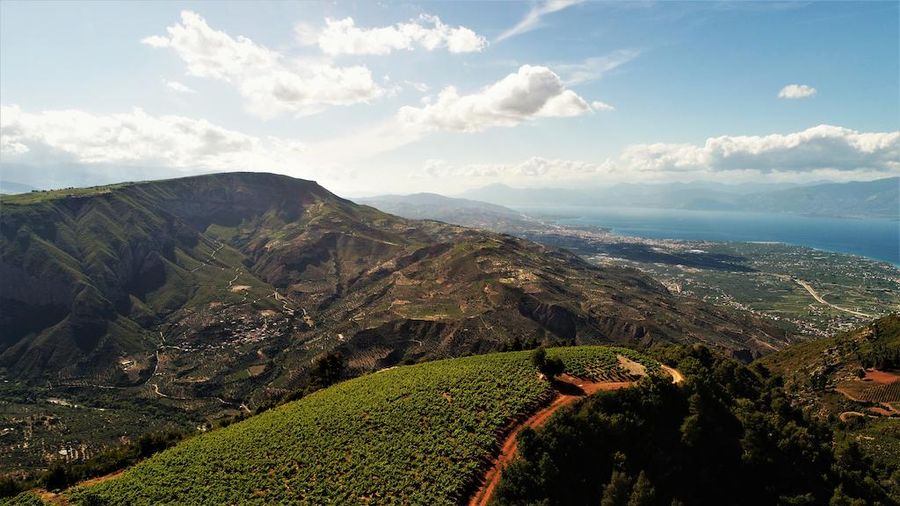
column 881, row 377
column 492, row 477
column 508, row 451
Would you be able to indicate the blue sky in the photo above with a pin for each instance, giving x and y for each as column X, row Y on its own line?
column 443, row 96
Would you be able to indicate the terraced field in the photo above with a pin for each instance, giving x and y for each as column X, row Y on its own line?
column 419, row 434
column 604, row 365
column 871, row 392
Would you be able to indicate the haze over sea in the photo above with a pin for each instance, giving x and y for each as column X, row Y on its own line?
column 874, row 238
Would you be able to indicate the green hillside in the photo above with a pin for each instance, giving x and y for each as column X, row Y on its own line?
column 851, row 380
column 728, row 435
column 170, row 304
column 419, row 434
column 813, row 370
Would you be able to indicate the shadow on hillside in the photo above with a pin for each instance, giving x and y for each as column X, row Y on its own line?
column 566, row 388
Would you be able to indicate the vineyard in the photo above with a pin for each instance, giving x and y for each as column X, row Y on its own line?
column 869, row 392
column 420, row 434
column 601, row 364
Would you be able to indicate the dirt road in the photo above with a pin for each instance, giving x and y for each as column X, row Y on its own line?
column 508, row 451
column 820, row 300
column 676, row 376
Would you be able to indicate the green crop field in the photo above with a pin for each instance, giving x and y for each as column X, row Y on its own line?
column 420, row 434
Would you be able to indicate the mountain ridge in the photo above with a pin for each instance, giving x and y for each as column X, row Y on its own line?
column 215, row 294
column 878, row 198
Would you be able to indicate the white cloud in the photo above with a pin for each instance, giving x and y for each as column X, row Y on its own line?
column 178, row 87
column 794, row 91
column 601, row 106
column 594, row 68
column 533, row 19
column 342, row 36
column 821, row 147
column 532, row 92
column 270, row 84
column 819, row 153
column 136, row 138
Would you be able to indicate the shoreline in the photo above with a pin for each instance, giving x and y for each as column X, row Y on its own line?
column 663, row 233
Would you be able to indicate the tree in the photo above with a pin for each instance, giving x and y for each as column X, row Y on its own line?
column 549, row 367
column 56, row 478
column 539, row 358
column 616, row 492
column 841, row 499
column 327, row 370
column 643, row 493
column 552, row 367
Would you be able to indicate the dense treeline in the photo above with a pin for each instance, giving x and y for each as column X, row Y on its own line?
column 728, row 435
column 880, row 349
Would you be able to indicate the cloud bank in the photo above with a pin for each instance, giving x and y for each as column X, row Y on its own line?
column 268, row 81
column 532, row 168
column 822, row 152
column 136, row 138
column 139, row 139
column 820, row 147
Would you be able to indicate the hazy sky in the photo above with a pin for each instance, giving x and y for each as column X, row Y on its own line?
column 439, row 96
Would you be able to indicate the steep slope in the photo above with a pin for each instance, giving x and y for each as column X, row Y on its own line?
column 88, row 273
column 181, row 300
column 838, row 374
column 95, row 278
column 224, row 287
column 421, row 434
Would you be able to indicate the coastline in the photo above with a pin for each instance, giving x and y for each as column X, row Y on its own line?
column 868, row 238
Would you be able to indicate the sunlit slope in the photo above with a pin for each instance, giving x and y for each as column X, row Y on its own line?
column 419, row 434
column 91, row 278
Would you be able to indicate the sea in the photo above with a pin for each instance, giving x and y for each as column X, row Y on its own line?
column 878, row 239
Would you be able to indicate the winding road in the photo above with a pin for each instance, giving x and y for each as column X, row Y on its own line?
column 820, row 300
column 492, row 478
column 212, row 257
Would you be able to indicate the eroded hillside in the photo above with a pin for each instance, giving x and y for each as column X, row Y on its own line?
column 215, row 292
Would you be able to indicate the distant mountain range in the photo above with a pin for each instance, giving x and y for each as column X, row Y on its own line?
column 11, row 187
column 457, row 211
column 869, row 199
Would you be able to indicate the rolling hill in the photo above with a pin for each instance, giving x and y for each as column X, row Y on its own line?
column 852, row 380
